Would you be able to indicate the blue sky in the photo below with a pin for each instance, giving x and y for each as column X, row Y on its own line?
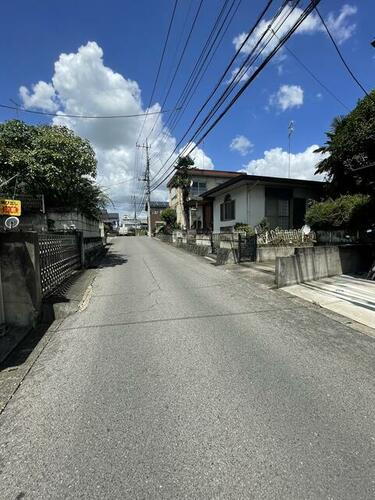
column 114, row 74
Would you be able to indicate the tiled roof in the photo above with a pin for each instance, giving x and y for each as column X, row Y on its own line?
column 158, row 204
column 198, row 172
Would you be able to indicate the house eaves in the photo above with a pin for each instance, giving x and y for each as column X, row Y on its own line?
column 260, row 179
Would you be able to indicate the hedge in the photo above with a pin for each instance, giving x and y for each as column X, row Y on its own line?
column 346, row 212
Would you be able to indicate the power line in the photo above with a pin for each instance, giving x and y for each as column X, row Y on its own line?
column 182, row 102
column 180, row 60
column 341, row 56
column 250, row 32
column 117, row 183
column 293, row 54
column 198, row 61
column 194, row 80
column 302, row 17
column 235, row 80
column 64, row 115
column 159, row 67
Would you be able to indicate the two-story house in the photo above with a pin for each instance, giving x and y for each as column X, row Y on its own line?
column 200, row 210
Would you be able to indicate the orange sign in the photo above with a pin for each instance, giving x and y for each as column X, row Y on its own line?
column 10, row 207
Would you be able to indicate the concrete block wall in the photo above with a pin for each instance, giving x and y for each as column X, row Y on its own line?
column 203, row 240
column 314, row 263
column 270, row 253
column 20, row 278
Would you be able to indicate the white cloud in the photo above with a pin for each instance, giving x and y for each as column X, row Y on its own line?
column 42, row 96
column 242, row 76
column 288, row 96
column 341, row 28
column 310, row 25
column 241, row 144
column 201, row 160
column 82, row 84
column 275, row 164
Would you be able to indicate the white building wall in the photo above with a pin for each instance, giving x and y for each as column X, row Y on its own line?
column 240, row 197
column 257, row 204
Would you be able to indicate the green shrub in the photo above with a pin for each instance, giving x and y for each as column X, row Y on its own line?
column 169, row 216
column 263, row 226
column 345, row 212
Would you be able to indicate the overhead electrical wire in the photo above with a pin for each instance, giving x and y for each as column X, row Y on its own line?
column 308, row 70
column 199, row 70
column 159, row 66
column 65, row 115
column 199, row 59
column 238, row 77
column 196, row 83
column 341, row 56
column 148, row 113
column 180, row 61
column 222, row 77
column 285, row 37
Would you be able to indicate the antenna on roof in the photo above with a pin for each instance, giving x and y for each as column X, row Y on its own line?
column 290, row 132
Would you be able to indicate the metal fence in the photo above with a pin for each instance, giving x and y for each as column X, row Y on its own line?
column 167, row 238
column 247, row 247
column 215, row 242
column 60, row 256
column 285, row 237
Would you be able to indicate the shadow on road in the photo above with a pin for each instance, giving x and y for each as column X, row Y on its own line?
column 112, row 260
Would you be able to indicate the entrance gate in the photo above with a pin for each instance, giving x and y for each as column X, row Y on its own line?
column 247, row 248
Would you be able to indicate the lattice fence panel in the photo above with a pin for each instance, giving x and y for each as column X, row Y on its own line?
column 59, row 257
column 280, row 237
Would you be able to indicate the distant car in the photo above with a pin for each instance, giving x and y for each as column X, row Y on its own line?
column 130, row 231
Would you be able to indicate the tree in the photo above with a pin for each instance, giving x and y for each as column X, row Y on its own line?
column 350, row 166
column 169, row 216
column 182, row 181
column 350, row 212
column 51, row 160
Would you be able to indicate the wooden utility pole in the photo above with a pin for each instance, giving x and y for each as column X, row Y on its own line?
column 147, row 181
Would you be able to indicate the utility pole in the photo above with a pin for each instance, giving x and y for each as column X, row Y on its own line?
column 147, row 181
column 290, row 131
column 135, row 208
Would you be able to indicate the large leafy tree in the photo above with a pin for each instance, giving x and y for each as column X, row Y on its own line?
column 51, row 160
column 350, row 164
column 182, row 180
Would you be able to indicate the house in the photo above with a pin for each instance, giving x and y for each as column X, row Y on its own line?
column 156, row 207
column 112, row 219
column 247, row 199
column 129, row 225
column 200, row 209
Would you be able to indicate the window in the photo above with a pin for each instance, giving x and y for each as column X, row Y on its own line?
column 198, row 188
column 277, row 207
column 227, row 209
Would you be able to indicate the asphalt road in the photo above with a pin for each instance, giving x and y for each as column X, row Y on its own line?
column 182, row 380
